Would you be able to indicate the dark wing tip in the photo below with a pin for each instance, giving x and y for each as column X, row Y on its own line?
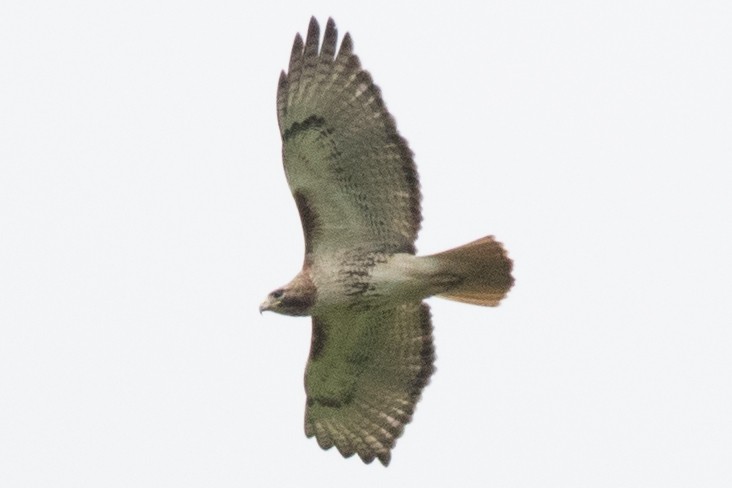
column 330, row 39
column 330, row 24
column 282, row 85
column 324, row 441
column 297, row 43
column 385, row 458
column 295, row 54
column 313, row 24
column 312, row 37
column 367, row 457
column 346, row 45
column 346, row 450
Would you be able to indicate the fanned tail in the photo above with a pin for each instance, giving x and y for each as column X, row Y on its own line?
column 481, row 271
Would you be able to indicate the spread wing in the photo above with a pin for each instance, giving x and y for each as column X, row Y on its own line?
column 365, row 374
column 352, row 175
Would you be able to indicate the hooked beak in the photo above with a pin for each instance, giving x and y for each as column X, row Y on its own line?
column 265, row 306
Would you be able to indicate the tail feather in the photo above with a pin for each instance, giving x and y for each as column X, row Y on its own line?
column 482, row 272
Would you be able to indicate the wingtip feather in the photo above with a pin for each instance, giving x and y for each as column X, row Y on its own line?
column 295, row 54
column 330, row 39
column 312, row 37
column 346, row 46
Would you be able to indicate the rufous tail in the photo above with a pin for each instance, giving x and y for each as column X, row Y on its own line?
column 481, row 271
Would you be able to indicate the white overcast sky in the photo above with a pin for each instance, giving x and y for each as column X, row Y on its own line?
column 144, row 215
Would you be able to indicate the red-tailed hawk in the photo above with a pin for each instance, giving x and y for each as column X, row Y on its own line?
column 356, row 188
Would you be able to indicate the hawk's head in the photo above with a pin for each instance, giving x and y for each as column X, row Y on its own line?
column 295, row 298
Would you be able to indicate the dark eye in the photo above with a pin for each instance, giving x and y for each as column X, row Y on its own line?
column 278, row 293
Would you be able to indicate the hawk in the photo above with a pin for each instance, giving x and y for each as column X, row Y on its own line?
column 357, row 191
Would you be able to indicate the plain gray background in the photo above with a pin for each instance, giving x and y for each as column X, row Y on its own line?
column 144, row 215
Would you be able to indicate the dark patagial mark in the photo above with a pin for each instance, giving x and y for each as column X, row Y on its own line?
column 312, row 122
column 308, row 219
column 317, row 340
column 329, row 402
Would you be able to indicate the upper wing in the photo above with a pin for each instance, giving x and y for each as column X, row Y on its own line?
column 352, row 175
column 364, row 376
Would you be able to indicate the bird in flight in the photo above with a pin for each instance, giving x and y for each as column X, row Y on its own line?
column 356, row 188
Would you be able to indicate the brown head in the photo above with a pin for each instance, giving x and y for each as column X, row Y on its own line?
column 296, row 298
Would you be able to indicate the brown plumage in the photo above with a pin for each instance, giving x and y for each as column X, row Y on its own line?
column 357, row 192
